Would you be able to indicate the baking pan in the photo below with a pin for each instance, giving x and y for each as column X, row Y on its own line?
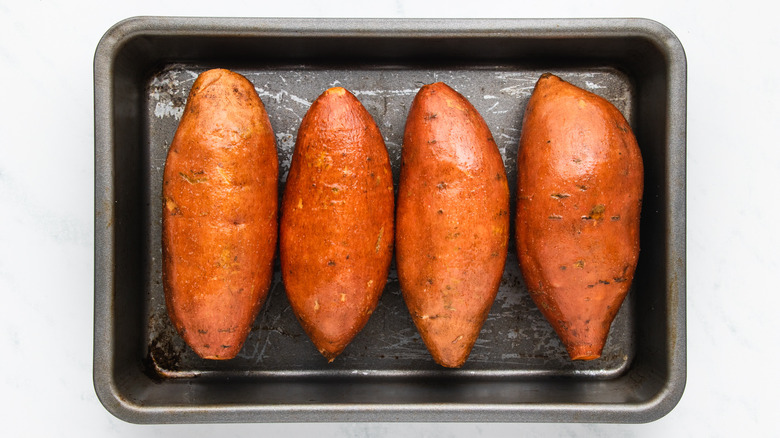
column 518, row 370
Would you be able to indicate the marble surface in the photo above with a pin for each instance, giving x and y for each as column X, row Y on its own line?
column 46, row 214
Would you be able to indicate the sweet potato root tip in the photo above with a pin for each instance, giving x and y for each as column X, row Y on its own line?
column 336, row 91
column 583, row 354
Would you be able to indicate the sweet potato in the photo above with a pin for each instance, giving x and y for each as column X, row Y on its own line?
column 219, row 225
column 453, row 221
column 579, row 196
column 336, row 231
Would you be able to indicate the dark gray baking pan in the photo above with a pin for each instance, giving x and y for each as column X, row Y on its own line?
column 518, row 371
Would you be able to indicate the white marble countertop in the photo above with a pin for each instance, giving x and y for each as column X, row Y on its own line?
column 46, row 214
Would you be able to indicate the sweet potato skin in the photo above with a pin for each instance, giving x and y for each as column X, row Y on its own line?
column 452, row 222
column 219, row 225
column 579, row 197
column 336, row 231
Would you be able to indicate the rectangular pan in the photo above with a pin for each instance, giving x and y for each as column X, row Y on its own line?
column 518, row 370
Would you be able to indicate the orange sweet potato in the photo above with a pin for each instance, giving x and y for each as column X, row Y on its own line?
column 219, row 227
column 336, row 231
column 453, row 221
column 579, row 196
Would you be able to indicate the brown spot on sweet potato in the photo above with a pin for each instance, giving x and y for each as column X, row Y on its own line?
column 596, row 213
column 193, row 179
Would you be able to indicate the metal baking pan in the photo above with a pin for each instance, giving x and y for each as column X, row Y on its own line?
column 518, row 371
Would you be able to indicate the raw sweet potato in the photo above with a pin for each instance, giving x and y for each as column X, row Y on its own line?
column 336, row 233
column 219, row 227
column 453, row 221
column 579, row 196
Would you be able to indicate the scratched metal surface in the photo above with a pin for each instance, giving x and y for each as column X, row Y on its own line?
column 515, row 340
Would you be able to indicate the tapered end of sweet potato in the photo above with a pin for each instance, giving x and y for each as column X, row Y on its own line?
column 335, row 91
column 334, row 329
column 330, row 343
column 583, row 352
column 439, row 96
column 583, row 323
column 449, row 346
column 216, row 347
column 331, row 355
column 337, row 108
column 583, row 349
column 583, row 330
column 217, row 327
